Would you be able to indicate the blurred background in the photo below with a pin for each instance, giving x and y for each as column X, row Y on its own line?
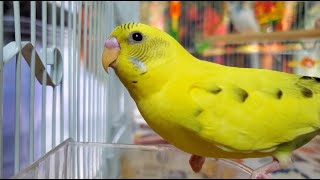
column 90, row 106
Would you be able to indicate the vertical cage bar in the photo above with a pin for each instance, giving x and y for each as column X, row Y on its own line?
column 32, row 79
column 69, row 70
column 93, row 67
column 109, row 15
column 62, row 82
column 44, row 78
column 1, row 85
column 74, row 92
column 106, row 78
column 102, row 32
column 90, row 73
column 85, row 59
column 102, row 73
column 108, row 124
column 89, row 70
column 108, row 11
column 108, row 82
column 79, row 71
column 54, row 97
column 95, row 74
column 16, row 8
column 85, row 80
column 74, row 66
column 61, row 166
column 105, row 31
column 93, row 70
column 101, row 70
column 100, row 45
column 78, row 90
column 90, row 99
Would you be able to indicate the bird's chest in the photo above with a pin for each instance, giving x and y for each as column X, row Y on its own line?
column 162, row 117
column 172, row 119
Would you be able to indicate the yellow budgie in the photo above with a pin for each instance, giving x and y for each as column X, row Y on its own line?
column 211, row 110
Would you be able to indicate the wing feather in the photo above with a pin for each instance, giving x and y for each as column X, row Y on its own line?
column 249, row 110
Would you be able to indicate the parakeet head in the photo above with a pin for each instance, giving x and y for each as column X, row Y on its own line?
column 137, row 47
column 141, row 54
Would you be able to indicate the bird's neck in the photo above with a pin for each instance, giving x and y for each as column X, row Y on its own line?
column 143, row 85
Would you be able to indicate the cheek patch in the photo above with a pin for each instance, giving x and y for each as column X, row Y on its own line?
column 139, row 64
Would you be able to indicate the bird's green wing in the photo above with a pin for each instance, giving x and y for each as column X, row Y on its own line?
column 256, row 110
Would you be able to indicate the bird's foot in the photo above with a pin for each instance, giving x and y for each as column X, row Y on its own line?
column 262, row 172
column 196, row 163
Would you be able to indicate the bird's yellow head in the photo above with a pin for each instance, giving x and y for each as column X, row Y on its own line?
column 142, row 55
column 136, row 48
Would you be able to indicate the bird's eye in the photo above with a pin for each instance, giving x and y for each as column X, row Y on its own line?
column 137, row 36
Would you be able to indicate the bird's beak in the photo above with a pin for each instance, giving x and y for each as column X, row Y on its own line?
column 110, row 53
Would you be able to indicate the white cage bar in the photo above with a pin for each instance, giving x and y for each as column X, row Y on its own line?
column 1, row 86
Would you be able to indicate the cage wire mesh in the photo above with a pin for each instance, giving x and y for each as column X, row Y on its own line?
column 52, row 83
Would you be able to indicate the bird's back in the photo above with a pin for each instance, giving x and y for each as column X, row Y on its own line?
column 240, row 109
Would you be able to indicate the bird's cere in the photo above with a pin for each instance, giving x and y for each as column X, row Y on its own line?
column 111, row 43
